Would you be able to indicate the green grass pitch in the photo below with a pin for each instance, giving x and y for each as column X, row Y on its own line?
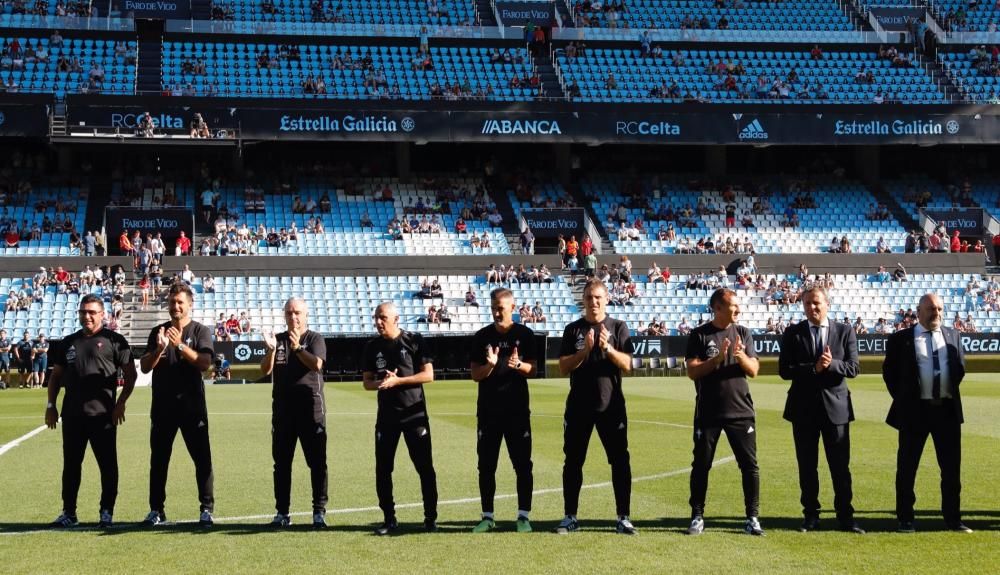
column 660, row 411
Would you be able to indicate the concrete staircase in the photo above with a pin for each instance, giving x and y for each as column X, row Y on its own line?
column 137, row 322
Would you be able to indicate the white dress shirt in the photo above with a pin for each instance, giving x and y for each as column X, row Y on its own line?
column 925, row 362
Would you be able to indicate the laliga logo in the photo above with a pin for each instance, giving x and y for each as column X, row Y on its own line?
column 242, row 352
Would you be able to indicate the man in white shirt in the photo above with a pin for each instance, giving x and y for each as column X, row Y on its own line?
column 923, row 369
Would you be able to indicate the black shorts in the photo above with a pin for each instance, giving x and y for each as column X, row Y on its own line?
column 24, row 366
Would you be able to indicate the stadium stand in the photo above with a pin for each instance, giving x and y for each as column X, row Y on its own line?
column 853, row 296
column 974, row 73
column 443, row 13
column 839, row 209
column 356, row 297
column 46, row 222
column 821, row 15
column 35, row 65
column 48, row 309
column 959, row 16
column 441, row 202
column 348, row 71
column 747, row 76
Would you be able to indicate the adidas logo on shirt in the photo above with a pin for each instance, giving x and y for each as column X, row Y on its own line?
column 750, row 430
column 753, row 131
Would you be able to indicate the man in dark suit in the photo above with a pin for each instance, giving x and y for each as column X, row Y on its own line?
column 819, row 355
column 923, row 369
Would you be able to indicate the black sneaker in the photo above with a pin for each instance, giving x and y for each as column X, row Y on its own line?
column 106, row 520
column 430, row 525
column 206, row 519
column 810, row 523
column 281, row 520
column 64, row 520
column 906, row 527
column 568, row 525
column 388, row 527
column 625, row 527
column 319, row 519
column 154, row 518
column 959, row 527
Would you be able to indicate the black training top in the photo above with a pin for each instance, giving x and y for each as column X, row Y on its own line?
column 90, row 366
column 596, row 384
column 297, row 388
column 178, row 389
column 724, row 393
column 505, row 391
column 406, row 355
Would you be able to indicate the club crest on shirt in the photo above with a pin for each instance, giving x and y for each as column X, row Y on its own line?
column 402, row 355
column 71, row 353
column 281, row 354
column 579, row 341
column 713, row 350
column 380, row 362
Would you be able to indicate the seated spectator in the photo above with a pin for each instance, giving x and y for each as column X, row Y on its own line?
column 221, row 333
column 233, row 325
column 882, row 247
column 538, row 313
column 460, row 226
column 444, row 315
column 425, row 290
column 899, row 274
column 958, row 324
column 245, row 325
column 684, row 328
column 470, row 298
column 366, row 221
column 432, row 315
column 525, row 312
column 882, row 275
column 436, row 289
column 859, row 326
column 654, row 274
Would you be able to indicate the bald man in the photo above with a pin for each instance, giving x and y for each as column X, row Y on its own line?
column 295, row 359
column 396, row 364
column 923, row 368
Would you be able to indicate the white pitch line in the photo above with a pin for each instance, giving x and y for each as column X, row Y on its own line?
column 11, row 445
column 466, row 500
column 462, row 501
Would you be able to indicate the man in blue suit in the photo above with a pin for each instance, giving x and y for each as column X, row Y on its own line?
column 819, row 356
column 923, row 369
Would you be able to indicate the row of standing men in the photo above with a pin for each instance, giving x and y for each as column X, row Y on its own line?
column 923, row 369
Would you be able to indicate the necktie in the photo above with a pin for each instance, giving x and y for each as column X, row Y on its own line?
column 817, row 341
column 936, row 362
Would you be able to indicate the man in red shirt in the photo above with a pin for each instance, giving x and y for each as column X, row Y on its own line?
column 956, row 244
column 61, row 275
column 572, row 248
column 125, row 244
column 586, row 247
column 184, row 243
column 233, row 325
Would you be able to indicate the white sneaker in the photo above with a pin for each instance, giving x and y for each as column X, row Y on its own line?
column 753, row 527
column 697, row 526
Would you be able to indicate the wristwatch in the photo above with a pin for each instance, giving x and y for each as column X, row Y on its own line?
column 517, row 365
column 181, row 347
column 50, row 405
column 299, row 349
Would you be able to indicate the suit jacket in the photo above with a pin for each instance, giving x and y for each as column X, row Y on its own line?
column 826, row 391
column 902, row 376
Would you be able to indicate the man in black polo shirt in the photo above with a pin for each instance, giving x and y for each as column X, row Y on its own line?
column 397, row 364
column 596, row 350
column 503, row 356
column 22, row 353
column 178, row 352
column 298, row 410
column 720, row 357
column 88, row 365
column 5, row 347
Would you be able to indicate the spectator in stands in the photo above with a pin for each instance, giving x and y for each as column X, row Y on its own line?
column 544, row 275
column 484, row 241
column 684, row 328
column 538, row 313
column 956, row 243
column 882, row 275
column 970, row 324
column 958, row 324
column 654, row 273
column 899, row 274
column 470, row 298
column 221, row 333
column 187, row 276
